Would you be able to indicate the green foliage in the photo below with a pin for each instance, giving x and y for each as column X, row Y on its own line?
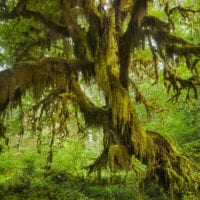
column 10, row 40
column 74, row 158
column 111, row 192
column 22, row 176
column 9, row 165
column 178, row 121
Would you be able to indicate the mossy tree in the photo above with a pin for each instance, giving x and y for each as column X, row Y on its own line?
column 52, row 43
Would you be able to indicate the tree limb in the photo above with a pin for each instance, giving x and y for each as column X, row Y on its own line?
column 53, row 72
column 20, row 10
column 93, row 115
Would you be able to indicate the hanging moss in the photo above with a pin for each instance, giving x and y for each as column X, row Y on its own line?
column 119, row 158
column 120, row 102
column 142, row 144
column 15, row 82
column 183, row 51
column 140, row 98
column 155, row 22
column 102, row 74
column 172, row 169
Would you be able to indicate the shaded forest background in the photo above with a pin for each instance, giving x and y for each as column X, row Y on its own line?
column 99, row 99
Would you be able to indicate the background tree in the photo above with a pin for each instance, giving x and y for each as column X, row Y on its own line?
column 53, row 45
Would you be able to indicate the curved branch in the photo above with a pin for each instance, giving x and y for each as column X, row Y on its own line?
column 148, row 104
column 154, row 22
column 183, row 51
column 93, row 115
column 20, row 10
column 59, row 28
column 183, row 10
column 163, row 37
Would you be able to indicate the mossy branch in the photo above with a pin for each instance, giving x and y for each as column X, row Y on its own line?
column 53, row 72
column 154, row 22
column 183, row 10
column 20, row 10
column 183, row 50
column 142, row 99
column 93, row 115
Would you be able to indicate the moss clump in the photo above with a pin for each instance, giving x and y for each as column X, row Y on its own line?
column 177, row 174
column 119, row 158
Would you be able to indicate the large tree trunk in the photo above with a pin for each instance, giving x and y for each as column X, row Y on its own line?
column 125, row 139
column 124, row 136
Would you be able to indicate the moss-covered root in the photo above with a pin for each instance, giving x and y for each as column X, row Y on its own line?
column 178, row 175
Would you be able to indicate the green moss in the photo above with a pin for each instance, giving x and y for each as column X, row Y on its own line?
column 119, row 158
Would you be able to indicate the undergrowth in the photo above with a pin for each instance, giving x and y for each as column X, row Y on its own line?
column 23, row 176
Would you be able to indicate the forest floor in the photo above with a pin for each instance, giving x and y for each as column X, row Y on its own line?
column 23, row 176
column 62, row 186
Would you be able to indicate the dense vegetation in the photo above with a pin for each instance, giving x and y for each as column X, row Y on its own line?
column 99, row 99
